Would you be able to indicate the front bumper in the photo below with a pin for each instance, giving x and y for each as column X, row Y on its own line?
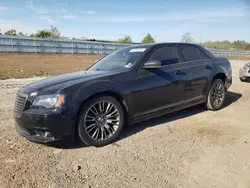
column 244, row 74
column 35, row 137
column 45, row 126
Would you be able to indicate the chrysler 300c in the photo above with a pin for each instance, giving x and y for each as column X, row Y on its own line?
column 127, row 86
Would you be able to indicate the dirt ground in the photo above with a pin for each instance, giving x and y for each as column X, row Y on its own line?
column 31, row 65
column 191, row 148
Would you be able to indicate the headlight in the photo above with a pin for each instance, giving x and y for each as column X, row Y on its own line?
column 49, row 101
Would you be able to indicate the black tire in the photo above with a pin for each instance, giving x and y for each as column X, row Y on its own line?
column 217, row 92
column 85, row 136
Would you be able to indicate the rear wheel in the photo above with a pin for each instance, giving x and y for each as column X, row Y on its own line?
column 216, row 95
column 101, row 121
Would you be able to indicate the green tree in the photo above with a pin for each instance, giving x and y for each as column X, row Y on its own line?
column 148, row 39
column 32, row 35
column 53, row 32
column 11, row 32
column 126, row 40
column 43, row 34
column 247, row 46
column 243, row 45
column 187, row 38
column 21, row 34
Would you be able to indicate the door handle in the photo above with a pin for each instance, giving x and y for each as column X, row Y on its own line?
column 178, row 72
column 209, row 67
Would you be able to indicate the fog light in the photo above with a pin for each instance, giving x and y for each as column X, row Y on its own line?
column 38, row 133
column 43, row 134
column 48, row 134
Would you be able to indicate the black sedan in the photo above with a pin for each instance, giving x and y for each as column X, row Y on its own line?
column 127, row 86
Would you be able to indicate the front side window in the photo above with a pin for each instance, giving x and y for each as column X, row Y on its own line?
column 189, row 53
column 122, row 59
column 166, row 55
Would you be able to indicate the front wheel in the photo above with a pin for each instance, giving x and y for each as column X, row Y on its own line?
column 101, row 121
column 216, row 95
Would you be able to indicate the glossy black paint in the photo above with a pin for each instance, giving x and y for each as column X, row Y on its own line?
column 144, row 93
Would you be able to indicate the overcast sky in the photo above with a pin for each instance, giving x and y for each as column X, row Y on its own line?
column 112, row 19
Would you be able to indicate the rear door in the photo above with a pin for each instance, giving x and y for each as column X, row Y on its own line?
column 199, row 69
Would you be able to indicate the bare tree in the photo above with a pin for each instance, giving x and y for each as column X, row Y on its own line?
column 187, row 38
column 55, row 33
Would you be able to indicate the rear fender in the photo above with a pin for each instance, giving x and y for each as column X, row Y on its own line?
column 222, row 67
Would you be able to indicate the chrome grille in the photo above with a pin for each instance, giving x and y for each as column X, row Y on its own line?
column 19, row 104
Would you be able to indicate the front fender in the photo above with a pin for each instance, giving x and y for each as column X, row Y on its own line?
column 90, row 89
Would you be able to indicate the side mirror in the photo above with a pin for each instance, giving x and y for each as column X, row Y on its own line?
column 152, row 64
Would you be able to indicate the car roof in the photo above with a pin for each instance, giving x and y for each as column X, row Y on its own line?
column 160, row 44
column 153, row 45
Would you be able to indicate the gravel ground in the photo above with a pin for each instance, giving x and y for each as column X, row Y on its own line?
column 190, row 148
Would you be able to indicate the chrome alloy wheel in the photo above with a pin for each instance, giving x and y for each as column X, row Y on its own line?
column 102, row 120
column 218, row 94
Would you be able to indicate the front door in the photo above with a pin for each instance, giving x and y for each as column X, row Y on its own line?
column 159, row 88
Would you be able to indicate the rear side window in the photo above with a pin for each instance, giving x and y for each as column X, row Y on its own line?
column 189, row 53
column 203, row 55
column 166, row 55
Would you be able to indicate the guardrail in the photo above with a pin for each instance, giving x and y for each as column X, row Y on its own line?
column 229, row 53
column 12, row 44
column 40, row 45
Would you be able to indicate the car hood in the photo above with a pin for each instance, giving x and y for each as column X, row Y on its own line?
column 64, row 80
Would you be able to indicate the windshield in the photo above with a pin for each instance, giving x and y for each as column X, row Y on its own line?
column 122, row 59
